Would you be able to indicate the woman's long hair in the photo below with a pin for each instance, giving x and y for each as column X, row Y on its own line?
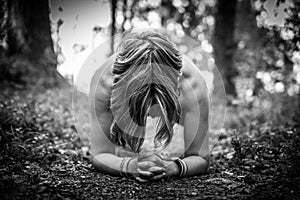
column 146, row 73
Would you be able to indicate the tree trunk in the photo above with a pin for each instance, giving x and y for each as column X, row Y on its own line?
column 113, row 24
column 124, row 14
column 29, row 31
column 224, row 43
column 3, row 28
column 32, row 61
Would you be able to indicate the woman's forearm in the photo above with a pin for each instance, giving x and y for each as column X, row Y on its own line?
column 196, row 165
column 108, row 163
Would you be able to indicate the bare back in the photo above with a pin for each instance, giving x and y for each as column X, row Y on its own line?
column 193, row 93
column 192, row 85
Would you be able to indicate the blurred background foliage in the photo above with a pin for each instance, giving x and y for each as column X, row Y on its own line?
column 254, row 44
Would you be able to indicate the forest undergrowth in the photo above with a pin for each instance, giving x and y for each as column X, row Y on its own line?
column 42, row 157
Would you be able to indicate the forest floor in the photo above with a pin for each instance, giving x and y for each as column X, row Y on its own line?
column 42, row 157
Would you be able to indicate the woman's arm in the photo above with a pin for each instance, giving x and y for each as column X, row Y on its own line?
column 195, row 105
column 196, row 136
column 102, row 149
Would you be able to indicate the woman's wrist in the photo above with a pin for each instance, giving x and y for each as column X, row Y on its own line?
column 182, row 166
column 127, row 166
column 172, row 169
column 132, row 166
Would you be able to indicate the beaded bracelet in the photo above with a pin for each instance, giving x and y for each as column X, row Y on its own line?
column 127, row 174
column 125, row 162
column 183, row 168
column 121, row 166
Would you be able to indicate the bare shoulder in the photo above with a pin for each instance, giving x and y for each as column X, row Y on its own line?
column 101, row 84
column 192, row 85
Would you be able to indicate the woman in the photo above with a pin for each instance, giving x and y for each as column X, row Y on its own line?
column 148, row 78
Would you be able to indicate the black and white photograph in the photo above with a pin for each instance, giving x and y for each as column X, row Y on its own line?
column 149, row 99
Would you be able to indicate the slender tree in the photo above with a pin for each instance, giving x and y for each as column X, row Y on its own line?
column 124, row 14
column 224, row 43
column 113, row 23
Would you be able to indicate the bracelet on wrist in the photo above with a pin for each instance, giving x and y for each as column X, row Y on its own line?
column 127, row 173
column 121, row 166
column 182, row 166
column 124, row 165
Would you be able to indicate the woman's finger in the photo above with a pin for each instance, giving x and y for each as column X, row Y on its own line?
column 143, row 173
column 158, row 177
column 141, row 180
column 156, row 170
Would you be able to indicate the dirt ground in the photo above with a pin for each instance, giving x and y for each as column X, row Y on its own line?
column 42, row 157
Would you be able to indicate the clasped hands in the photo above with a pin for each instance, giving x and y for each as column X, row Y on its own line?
column 153, row 167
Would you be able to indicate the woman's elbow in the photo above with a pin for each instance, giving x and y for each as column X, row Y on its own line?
column 96, row 162
column 205, row 165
